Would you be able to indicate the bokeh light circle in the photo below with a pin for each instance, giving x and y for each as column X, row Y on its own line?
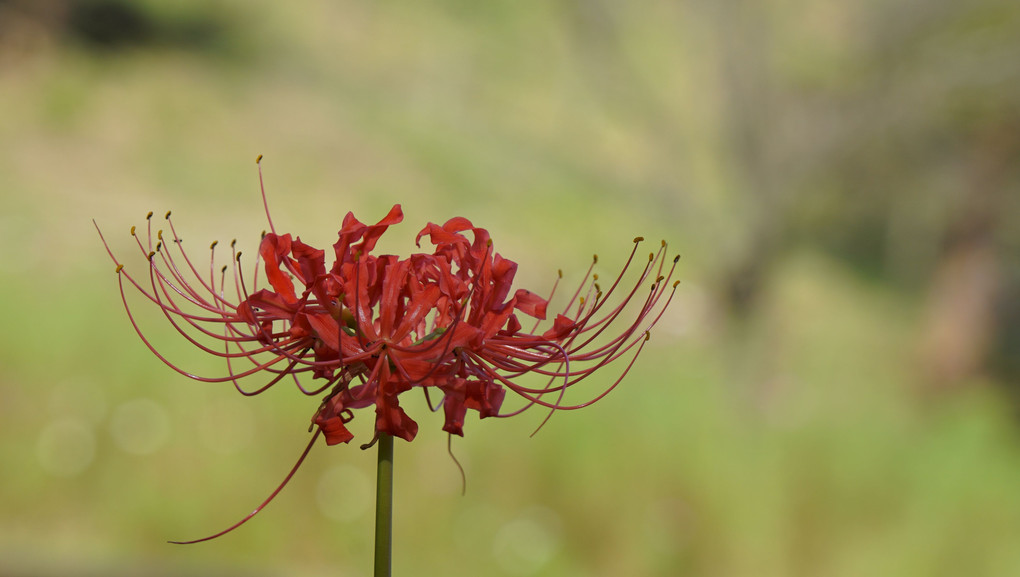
column 140, row 426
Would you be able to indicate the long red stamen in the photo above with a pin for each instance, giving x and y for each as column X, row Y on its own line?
column 272, row 496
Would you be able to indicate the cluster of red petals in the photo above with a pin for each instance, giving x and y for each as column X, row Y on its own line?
column 370, row 328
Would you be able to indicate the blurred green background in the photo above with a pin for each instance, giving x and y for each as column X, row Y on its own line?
column 834, row 391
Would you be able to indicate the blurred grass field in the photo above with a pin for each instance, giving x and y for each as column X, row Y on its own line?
column 796, row 439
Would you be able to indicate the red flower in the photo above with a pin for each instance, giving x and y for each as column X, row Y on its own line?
column 371, row 328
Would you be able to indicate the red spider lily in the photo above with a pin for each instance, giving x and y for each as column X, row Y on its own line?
column 373, row 327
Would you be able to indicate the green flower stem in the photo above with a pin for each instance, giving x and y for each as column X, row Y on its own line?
column 384, row 507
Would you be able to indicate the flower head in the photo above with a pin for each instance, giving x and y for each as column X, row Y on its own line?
column 370, row 328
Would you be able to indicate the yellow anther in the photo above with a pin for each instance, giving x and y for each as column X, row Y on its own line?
column 159, row 234
column 676, row 284
column 595, row 276
column 648, row 335
column 651, row 256
column 233, row 242
column 595, row 258
column 259, row 159
column 167, row 215
column 238, row 257
column 676, row 259
column 263, row 235
column 213, row 245
column 663, row 243
column 120, row 267
column 559, row 271
column 159, row 245
column 151, row 254
column 658, row 280
column 132, row 231
column 148, row 216
column 224, row 269
column 639, row 238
